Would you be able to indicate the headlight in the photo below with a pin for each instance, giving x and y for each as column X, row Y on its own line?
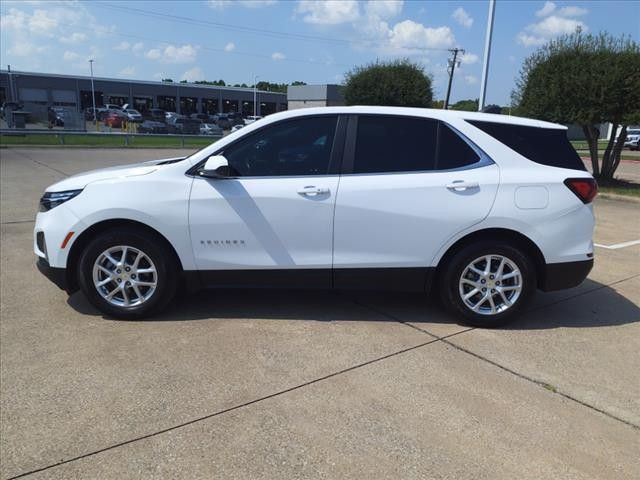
column 52, row 199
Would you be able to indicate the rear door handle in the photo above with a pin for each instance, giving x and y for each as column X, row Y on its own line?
column 461, row 185
column 312, row 190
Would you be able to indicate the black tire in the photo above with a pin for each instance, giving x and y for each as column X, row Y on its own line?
column 456, row 266
column 154, row 248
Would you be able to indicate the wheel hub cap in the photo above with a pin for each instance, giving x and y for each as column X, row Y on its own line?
column 490, row 284
column 124, row 276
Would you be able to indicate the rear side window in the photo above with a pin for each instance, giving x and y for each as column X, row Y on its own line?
column 453, row 151
column 395, row 144
column 547, row 146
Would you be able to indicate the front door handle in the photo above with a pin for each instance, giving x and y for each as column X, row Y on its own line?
column 312, row 190
column 461, row 185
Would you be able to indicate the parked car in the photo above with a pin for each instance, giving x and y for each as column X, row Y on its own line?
column 132, row 115
column 235, row 128
column 157, row 114
column 114, row 119
column 113, row 106
column 223, row 121
column 251, row 118
column 484, row 209
column 632, row 140
column 210, row 129
column 184, row 125
column 151, row 126
column 204, row 117
column 169, row 115
column 56, row 116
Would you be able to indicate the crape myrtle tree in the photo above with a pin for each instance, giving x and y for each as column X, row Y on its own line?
column 585, row 80
column 399, row 83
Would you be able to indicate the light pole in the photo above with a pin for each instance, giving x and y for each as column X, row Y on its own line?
column 93, row 95
column 487, row 54
column 255, row 95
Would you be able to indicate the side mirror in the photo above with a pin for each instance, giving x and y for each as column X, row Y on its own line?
column 216, row 166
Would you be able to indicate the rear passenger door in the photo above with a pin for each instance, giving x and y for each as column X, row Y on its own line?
column 409, row 184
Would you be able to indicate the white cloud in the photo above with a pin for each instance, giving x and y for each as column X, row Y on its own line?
column 384, row 8
column 137, row 48
column 329, row 12
column 26, row 49
column 547, row 9
column 539, row 33
column 128, row 71
column 70, row 56
column 230, row 47
column 221, row 4
column 122, row 46
column 173, row 54
column 278, row 56
column 462, row 17
column 412, row 35
column 572, row 11
column 471, row 79
column 193, row 74
column 74, row 38
column 469, row 58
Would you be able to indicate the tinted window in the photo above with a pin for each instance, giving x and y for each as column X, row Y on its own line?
column 395, row 144
column 548, row 146
column 295, row 147
column 453, row 151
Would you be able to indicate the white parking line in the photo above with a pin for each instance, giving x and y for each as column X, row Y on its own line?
column 616, row 246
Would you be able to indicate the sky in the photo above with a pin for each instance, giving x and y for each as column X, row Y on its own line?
column 314, row 41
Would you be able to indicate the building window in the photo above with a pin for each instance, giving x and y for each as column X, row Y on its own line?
column 188, row 105
column 229, row 106
column 143, row 104
column 267, row 108
column 168, row 104
column 210, row 106
column 86, row 99
column 247, row 108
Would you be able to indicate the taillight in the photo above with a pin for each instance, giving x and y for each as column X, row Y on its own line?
column 585, row 189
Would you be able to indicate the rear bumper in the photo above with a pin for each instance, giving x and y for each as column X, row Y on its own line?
column 56, row 275
column 559, row 276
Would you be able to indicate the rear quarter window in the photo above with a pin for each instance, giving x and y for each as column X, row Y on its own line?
column 546, row 146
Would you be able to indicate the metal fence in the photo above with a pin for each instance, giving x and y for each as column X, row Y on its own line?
column 65, row 137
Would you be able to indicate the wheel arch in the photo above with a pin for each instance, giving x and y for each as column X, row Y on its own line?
column 88, row 234
column 511, row 236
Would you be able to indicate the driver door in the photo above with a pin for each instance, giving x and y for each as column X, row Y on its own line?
column 271, row 222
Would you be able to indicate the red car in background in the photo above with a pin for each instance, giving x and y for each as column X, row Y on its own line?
column 114, row 119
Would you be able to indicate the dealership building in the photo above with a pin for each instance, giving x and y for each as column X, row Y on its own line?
column 41, row 90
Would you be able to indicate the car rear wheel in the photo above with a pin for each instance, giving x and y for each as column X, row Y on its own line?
column 127, row 274
column 488, row 283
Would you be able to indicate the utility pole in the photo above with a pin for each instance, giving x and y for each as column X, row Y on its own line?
column 450, row 70
column 255, row 95
column 487, row 54
column 93, row 96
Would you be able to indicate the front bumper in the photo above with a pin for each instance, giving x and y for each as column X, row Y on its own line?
column 559, row 276
column 56, row 275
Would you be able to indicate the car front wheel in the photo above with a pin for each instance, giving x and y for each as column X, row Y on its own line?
column 126, row 274
column 488, row 283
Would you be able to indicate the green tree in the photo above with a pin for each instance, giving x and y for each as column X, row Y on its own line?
column 167, row 80
column 397, row 83
column 584, row 80
column 466, row 105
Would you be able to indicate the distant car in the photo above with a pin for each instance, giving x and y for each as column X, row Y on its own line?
column 633, row 137
column 112, row 106
column 235, row 128
column 211, row 129
column 151, row 126
column 184, row 125
column 114, row 119
column 200, row 116
column 132, row 115
column 157, row 114
column 223, row 121
column 251, row 118
column 169, row 115
column 56, row 116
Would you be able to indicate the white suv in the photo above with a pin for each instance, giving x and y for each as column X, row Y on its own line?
column 484, row 208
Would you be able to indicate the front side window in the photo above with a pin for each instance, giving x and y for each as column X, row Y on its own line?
column 300, row 146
